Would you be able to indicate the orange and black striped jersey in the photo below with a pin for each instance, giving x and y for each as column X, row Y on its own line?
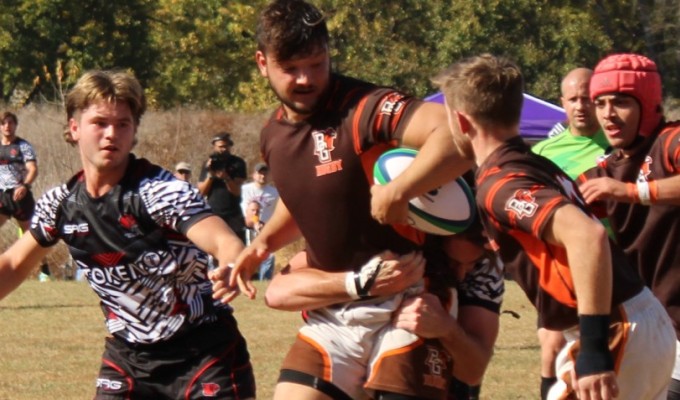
column 323, row 170
column 518, row 193
column 649, row 235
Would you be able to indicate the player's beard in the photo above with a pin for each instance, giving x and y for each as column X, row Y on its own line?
column 311, row 109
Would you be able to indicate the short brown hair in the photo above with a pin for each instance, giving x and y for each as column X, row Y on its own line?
column 110, row 86
column 488, row 88
column 291, row 28
column 8, row 114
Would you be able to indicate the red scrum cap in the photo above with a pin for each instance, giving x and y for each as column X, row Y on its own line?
column 636, row 76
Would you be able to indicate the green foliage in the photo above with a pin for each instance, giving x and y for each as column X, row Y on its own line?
column 206, row 50
column 80, row 35
column 200, row 52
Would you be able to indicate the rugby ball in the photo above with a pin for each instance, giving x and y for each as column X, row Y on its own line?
column 446, row 210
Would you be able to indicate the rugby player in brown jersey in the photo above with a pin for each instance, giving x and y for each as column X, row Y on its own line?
column 320, row 145
column 618, row 334
column 638, row 184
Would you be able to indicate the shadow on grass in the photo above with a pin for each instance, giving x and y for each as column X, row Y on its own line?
column 48, row 306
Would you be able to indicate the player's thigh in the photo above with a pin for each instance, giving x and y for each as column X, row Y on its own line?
column 288, row 390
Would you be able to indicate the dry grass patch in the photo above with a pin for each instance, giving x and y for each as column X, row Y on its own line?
column 51, row 339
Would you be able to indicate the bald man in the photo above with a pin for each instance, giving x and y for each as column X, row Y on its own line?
column 575, row 150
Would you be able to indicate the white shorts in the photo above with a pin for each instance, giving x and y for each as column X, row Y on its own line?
column 676, row 370
column 642, row 346
column 356, row 347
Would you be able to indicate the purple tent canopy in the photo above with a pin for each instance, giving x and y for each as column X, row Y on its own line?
column 538, row 116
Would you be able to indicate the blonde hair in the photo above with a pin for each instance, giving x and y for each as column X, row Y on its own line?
column 488, row 88
column 109, row 86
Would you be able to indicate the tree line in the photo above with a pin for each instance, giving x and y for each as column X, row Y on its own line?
column 200, row 52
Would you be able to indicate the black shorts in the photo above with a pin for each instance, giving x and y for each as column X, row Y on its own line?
column 210, row 362
column 21, row 210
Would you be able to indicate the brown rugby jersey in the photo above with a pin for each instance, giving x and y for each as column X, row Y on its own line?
column 649, row 234
column 323, row 170
column 518, row 192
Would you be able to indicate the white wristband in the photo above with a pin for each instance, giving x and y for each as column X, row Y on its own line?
column 643, row 193
column 350, row 286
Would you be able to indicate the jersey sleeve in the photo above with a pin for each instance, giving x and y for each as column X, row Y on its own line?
column 382, row 116
column 515, row 202
column 44, row 224
column 174, row 204
column 671, row 149
column 27, row 151
column 483, row 286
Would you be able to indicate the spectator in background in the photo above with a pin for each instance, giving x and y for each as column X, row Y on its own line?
column 220, row 182
column 183, row 171
column 18, row 171
column 575, row 150
column 254, row 225
column 637, row 184
column 265, row 195
column 261, row 191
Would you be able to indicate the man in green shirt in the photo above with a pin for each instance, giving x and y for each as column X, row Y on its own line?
column 574, row 150
column 577, row 148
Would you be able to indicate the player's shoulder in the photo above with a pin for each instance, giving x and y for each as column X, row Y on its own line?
column 670, row 128
column 546, row 144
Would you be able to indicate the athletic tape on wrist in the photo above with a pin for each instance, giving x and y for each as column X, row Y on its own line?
column 643, row 193
column 350, row 287
column 358, row 284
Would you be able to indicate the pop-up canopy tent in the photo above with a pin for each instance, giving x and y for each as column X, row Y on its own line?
column 538, row 116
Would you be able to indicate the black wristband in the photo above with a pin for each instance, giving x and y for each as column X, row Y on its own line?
column 26, row 185
column 594, row 356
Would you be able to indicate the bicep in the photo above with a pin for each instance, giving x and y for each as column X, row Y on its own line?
column 569, row 224
column 427, row 118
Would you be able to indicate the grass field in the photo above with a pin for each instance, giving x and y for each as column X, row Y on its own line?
column 51, row 339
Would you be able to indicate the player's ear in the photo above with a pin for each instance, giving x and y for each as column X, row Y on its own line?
column 463, row 122
column 261, row 61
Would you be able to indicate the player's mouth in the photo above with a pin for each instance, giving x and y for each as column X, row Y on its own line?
column 612, row 130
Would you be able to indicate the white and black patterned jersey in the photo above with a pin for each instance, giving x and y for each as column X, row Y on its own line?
column 151, row 280
column 483, row 286
column 13, row 159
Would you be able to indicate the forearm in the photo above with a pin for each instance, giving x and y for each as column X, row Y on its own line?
column 667, row 191
column 306, row 289
column 590, row 264
column 470, row 341
column 213, row 236
column 440, row 159
column 234, row 186
column 205, row 185
column 31, row 173
column 281, row 230
column 17, row 262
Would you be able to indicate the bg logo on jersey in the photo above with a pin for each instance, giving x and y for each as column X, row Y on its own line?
column 392, row 104
column 522, row 203
column 324, row 144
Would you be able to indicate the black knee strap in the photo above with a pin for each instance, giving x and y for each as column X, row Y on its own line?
column 325, row 387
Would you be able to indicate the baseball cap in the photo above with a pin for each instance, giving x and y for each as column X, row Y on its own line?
column 183, row 166
column 223, row 136
column 634, row 75
column 259, row 167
